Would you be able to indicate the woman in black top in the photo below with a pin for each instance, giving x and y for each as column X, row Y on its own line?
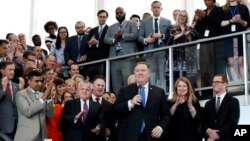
column 235, row 18
column 185, row 113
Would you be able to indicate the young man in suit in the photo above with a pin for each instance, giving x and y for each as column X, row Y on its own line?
column 97, row 48
column 121, row 36
column 141, row 108
column 153, row 34
column 221, row 111
column 33, row 107
column 8, row 90
column 82, row 118
column 75, row 49
column 98, row 91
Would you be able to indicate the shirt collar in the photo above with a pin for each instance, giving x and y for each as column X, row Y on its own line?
column 94, row 98
column 156, row 18
column 221, row 96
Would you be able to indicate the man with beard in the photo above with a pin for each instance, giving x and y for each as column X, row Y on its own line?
column 121, row 36
column 75, row 49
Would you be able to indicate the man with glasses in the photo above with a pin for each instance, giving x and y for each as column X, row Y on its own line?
column 221, row 112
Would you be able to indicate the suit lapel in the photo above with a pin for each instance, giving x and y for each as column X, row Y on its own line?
column 151, row 26
column 30, row 94
column 223, row 104
column 150, row 96
column 14, row 91
column 91, row 109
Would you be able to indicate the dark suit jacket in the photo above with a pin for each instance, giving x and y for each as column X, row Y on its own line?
column 8, row 109
column 156, row 113
column 100, row 52
column 211, row 22
column 107, row 109
column 79, row 131
column 71, row 48
column 227, row 115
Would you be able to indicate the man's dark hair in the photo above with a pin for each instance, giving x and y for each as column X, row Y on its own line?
column 136, row 16
column 156, row 2
column 35, row 36
column 144, row 63
column 45, row 70
column 102, row 11
column 33, row 73
column 8, row 35
column 72, row 65
column 4, row 64
column 28, row 53
column 98, row 77
column 2, row 41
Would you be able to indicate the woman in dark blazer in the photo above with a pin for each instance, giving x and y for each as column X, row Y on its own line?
column 185, row 113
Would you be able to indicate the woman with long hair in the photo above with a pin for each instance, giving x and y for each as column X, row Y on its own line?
column 185, row 113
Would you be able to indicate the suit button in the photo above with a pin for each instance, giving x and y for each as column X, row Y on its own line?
column 215, row 120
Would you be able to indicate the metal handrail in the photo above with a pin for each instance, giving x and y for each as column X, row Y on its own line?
column 192, row 43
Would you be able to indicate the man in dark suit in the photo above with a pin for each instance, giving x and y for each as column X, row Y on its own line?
column 75, row 49
column 98, row 91
column 97, row 48
column 141, row 108
column 82, row 118
column 8, row 90
column 221, row 112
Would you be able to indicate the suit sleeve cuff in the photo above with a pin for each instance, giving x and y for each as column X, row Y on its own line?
column 144, row 41
column 160, row 128
column 130, row 105
column 41, row 100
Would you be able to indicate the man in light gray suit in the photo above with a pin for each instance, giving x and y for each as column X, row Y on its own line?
column 8, row 90
column 153, row 33
column 122, row 37
column 33, row 106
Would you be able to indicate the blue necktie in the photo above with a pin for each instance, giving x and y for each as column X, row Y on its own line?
column 143, row 98
column 143, row 101
column 79, row 48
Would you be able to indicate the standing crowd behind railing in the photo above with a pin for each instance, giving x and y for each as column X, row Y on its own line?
column 36, row 83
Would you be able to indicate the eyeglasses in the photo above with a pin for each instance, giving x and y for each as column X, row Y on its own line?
column 217, row 82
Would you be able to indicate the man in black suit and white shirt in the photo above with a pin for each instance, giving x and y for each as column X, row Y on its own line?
column 98, row 91
column 8, row 90
column 83, row 118
column 141, row 108
column 221, row 112
column 97, row 48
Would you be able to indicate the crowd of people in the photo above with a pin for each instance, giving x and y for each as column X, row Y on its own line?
column 50, row 95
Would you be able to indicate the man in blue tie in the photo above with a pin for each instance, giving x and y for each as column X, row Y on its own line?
column 141, row 109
